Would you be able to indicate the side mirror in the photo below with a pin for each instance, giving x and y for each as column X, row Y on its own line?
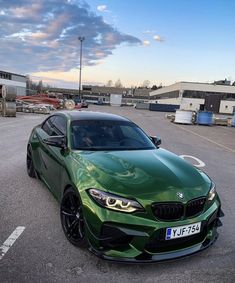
column 156, row 140
column 57, row 141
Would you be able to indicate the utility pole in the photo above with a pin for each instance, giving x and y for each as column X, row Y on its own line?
column 81, row 39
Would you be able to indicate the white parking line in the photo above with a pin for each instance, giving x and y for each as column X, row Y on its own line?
column 209, row 140
column 199, row 164
column 10, row 240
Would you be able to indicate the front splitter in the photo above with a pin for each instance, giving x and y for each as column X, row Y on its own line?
column 151, row 258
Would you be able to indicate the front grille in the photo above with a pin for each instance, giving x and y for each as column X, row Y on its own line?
column 168, row 211
column 195, row 207
column 172, row 211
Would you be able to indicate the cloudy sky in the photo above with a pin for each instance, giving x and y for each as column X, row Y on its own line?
column 162, row 41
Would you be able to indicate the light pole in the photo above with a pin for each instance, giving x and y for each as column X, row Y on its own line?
column 80, row 38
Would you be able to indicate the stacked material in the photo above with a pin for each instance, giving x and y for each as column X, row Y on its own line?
column 9, row 93
column 222, row 121
column 8, row 101
column 26, row 107
column 9, row 109
column 183, row 117
column 39, row 109
column 41, row 99
column 171, row 117
column 69, row 104
column 205, row 118
column 200, row 118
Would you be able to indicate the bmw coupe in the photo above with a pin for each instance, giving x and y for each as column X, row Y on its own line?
column 120, row 194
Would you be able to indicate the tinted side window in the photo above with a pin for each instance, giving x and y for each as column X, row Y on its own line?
column 47, row 126
column 60, row 125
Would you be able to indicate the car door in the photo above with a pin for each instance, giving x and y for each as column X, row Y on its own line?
column 53, row 157
column 43, row 132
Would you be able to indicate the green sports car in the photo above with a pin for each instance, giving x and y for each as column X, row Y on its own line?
column 120, row 194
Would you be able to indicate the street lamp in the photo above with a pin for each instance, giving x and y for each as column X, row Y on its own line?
column 80, row 38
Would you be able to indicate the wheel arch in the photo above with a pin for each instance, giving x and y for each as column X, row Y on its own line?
column 68, row 186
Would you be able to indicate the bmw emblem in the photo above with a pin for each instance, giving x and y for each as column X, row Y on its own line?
column 180, row 195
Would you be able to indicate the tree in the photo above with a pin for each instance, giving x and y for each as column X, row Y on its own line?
column 31, row 87
column 40, row 86
column 109, row 83
column 154, row 87
column 118, row 83
column 146, row 83
column 28, row 82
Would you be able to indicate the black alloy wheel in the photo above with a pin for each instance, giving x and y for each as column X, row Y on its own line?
column 29, row 163
column 72, row 218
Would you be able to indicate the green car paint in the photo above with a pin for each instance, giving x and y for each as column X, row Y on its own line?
column 148, row 176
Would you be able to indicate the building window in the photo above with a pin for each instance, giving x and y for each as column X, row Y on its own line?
column 203, row 94
column 228, row 96
column 172, row 94
column 5, row 76
column 194, row 94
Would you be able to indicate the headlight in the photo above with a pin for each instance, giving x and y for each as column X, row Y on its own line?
column 212, row 192
column 114, row 202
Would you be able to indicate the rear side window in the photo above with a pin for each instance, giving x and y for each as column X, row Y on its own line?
column 55, row 126
column 60, row 125
column 47, row 126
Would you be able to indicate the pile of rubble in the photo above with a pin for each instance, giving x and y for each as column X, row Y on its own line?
column 10, row 103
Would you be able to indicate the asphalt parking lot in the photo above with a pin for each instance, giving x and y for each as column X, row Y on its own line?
column 42, row 253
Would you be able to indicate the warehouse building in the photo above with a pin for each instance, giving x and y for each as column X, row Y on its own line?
column 218, row 97
column 16, row 80
column 93, row 94
column 136, row 92
column 130, row 96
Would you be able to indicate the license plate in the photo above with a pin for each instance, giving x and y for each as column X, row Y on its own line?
column 183, row 231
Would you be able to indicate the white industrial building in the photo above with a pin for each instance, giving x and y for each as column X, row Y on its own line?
column 16, row 80
column 219, row 98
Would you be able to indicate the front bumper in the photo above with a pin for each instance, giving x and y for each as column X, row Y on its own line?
column 148, row 258
column 144, row 241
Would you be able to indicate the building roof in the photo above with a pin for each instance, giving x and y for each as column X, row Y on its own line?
column 12, row 74
column 206, row 87
column 106, row 89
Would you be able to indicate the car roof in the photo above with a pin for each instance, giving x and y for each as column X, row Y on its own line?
column 91, row 115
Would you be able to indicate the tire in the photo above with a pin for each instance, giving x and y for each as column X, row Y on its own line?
column 29, row 164
column 72, row 218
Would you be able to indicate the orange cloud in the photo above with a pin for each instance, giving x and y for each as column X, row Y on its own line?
column 146, row 42
column 70, row 76
column 39, row 35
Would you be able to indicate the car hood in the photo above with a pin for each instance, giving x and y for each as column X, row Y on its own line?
column 147, row 174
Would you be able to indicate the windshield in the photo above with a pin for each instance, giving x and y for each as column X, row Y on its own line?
column 108, row 135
